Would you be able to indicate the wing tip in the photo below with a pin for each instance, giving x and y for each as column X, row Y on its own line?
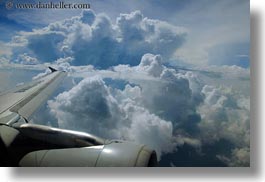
column 52, row 69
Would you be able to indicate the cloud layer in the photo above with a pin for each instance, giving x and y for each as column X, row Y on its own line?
column 162, row 107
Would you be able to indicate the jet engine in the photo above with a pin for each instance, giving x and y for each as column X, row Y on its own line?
column 114, row 154
column 31, row 145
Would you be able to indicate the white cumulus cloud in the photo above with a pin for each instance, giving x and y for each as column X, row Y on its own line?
column 93, row 39
column 90, row 106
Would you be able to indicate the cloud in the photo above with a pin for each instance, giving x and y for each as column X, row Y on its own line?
column 93, row 39
column 152, row 64
column 90, row 106
column 159, row 112
column 151, row 98
column 225, row 115
column 239, row 157
column 25, row 59
column 217, row 31
column 5, row 50
column 47, row 71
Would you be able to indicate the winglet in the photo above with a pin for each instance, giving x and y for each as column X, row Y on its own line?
column 52, row 69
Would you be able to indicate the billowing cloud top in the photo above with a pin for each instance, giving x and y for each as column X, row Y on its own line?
column 94, row 39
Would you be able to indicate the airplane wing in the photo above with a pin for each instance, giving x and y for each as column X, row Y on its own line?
column 26, row 99
column 26, row 144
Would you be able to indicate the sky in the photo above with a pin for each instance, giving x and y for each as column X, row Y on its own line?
column 171, row 74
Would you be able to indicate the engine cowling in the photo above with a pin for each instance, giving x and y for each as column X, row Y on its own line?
column 113, row 154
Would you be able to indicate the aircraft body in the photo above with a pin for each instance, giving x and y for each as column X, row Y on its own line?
column 26, row 144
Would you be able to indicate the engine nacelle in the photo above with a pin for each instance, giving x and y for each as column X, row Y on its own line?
column 113, row 154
